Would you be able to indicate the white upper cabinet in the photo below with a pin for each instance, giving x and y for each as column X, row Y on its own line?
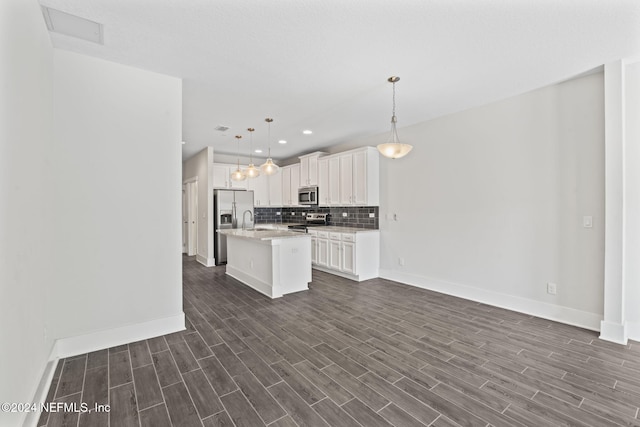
column 290, row 184
column 333, row 193
column 260, row 187
column 323, row 182
column 353, row 178
column 222, row 177
column 309, row 168
column 275, row 190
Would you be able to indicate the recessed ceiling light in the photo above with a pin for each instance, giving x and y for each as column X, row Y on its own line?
column 72, row 25
column 307, row 132
column 258, row 150
column 282, row 141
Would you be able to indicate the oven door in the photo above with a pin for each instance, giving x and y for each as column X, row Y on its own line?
column 308, row 196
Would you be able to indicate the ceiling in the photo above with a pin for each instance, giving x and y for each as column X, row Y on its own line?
column 323, row 64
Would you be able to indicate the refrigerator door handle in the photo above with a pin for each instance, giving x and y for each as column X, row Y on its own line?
column 234, row 215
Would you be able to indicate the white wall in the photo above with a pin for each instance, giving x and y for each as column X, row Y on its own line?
column 26, row 97
column 490, row 203
column 632, row 200
column 117, row 177
column 200, row 166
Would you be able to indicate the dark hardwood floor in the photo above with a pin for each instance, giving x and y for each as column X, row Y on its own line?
column 375, row 353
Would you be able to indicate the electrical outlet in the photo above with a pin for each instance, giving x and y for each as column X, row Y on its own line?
column 278, row 213
column 587, row 221
column 293, row 213
column 552, row 288
column 344, row 214
column 395, row 217
column 401, row 262
column 372, row 215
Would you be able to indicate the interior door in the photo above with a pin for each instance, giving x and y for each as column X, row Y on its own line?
column 185, row 219
column 191, row 192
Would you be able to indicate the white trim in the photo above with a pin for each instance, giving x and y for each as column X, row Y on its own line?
column 81, row 344
column 633, row 331
column 31, row 419
column 570, row 316
column 614, row 332
column 73, row 346
column 251, row 281
column 207, row 262
column 353, row 277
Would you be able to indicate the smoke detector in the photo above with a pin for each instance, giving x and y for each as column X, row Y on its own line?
column 221, row 128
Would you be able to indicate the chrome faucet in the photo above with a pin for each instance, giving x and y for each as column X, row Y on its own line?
column 243, row 217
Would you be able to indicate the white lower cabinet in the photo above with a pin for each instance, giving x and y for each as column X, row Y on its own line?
column 351, row 255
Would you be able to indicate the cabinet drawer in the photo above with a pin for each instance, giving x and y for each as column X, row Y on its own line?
column 323, row 234
column 348, row 237
column 335, row 236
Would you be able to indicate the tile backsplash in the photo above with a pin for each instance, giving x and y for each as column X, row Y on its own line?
column 358, row 217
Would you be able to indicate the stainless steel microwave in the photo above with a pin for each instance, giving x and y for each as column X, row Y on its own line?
column 308, row 195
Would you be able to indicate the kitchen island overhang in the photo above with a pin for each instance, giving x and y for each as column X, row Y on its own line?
column 273, row 262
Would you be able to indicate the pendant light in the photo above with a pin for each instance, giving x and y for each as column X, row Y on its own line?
column 238, row 175
column 269, row 168
column 251, row 171
column 393, row 148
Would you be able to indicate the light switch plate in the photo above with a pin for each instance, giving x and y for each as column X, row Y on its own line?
column 587, row 221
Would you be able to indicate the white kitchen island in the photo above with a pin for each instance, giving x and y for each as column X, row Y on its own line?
column 273, row 262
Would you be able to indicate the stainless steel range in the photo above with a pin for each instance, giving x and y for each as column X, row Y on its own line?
column 312, row 220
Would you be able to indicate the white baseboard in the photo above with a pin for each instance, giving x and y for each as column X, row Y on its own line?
column 31, row 419
column 338, row 273
column 81, row 344
column 207, row 262
column 570, row 316
column 73, row 346
column 251, row 281
column 633, row 331
column 614, row 332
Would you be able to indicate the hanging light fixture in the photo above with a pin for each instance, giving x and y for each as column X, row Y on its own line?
column 251, row 171
column 269, row 168
column 238, row 175
column 393, row 148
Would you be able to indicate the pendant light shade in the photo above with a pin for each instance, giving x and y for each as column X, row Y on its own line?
column 238, row 175
column 269, row 168
column 251, row 171
column 393, row 148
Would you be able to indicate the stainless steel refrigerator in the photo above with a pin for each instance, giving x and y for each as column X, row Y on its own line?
column 230, row 210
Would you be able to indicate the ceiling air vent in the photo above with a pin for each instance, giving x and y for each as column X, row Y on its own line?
column 221, row 128
column 72, row 25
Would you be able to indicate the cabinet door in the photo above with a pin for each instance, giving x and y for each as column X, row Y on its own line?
column 260, row 189
column 323, row 252
column 313, row 171
column 323, row 182
column 295, row 184
column 286, row 186
column 335, row 258
column 314, row 250
column 346, row 179
column 349, row 257
column 304, row 171
column 275, row 190
column 360, row 178
column 237, row 185
column 334, row 181
column 220, row 176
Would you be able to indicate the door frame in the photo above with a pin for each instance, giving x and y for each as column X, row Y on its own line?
column 190, row 189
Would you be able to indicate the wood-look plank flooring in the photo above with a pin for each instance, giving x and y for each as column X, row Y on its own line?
column 375, row 353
